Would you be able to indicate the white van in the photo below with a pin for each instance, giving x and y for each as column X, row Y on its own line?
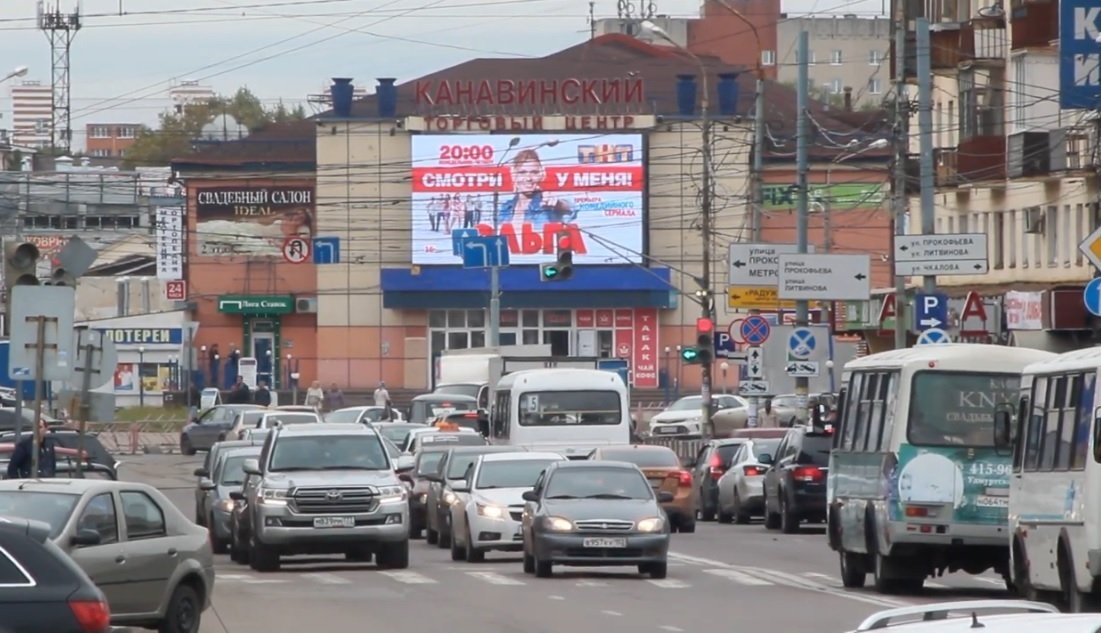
column 916, row 487
column 568, row 411
column 1054, row 516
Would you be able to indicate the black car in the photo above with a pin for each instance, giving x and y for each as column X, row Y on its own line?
column 709, row 465
column 451, row 468
column 795, row 483
column 41, row 589
column 69, row 438
column 209, row 427
column 595, row 513
column 7, row 419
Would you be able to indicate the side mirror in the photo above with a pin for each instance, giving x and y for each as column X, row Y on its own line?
column 530, row 496
column 406, row 477
column 206, row 484
column 252, row 466
column 460, row 486
column 1002, row 429
column 85, row 537
column 765, row 459
column 201, row 473
column 665, row 497
column 237, row 496
column 404, row 462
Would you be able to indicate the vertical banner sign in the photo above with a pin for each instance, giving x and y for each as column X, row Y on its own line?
column 170, row 243
column 1079, row 55
column 624, row 335
column 644, row 364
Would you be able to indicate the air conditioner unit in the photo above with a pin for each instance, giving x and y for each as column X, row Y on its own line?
column 305, row 305
column 1034, row 220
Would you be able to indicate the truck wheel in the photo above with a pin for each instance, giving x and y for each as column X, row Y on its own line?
column 393, row 556
column 854, row 570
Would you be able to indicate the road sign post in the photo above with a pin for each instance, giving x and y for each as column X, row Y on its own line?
column 96, row 360
column 801, row 344
column 825, row 277
column 933, row 336
column 485, row 252
column 942, row 254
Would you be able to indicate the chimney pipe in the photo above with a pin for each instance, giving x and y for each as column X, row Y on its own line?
column 386, row 97
column 848, row 98
column 686, row 95
column 123, row 307
column 341, row 92
column 728, row 94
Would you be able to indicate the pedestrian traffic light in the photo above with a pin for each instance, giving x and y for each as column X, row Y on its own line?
column 562, row 268
column 703, row 352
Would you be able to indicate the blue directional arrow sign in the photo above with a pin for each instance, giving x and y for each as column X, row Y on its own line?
column 1092, row 296
column 326, row 250
column 485, row 251
column 930, row 311
column 801, row 343
column 932, row 336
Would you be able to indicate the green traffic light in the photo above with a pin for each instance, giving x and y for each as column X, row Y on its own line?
column 689, row 354
column 550, row 271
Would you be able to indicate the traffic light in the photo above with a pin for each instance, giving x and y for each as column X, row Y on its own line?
column 562, row 268
column 704, row 350
column 20, row 269
column 59, row 275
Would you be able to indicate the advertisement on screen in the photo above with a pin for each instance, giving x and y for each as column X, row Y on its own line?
column 590, row 185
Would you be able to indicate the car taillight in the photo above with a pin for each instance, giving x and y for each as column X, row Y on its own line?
column 716, row 467
column 753, row 471
column 684, row 479
column 92, row 616
column 807, row 474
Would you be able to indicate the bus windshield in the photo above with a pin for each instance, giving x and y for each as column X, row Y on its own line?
column 582, row 407
column 957, row 408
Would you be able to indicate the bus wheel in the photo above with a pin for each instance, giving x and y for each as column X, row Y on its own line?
column 854, row 569
column 1073, row 600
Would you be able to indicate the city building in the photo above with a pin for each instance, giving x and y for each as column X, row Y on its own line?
column 601, row 140
column 31, row 113
column 845, row 52
column 107, row 140
column 187, row 92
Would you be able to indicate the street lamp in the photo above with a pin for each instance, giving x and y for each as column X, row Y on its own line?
column 495, row 271
column 19, row 71
column 725, row 367
column 141, row 378
column 271, row 369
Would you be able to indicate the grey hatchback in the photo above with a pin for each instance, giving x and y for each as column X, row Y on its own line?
column 209, row 427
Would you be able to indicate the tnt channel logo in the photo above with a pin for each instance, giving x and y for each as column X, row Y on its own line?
column 605, row 153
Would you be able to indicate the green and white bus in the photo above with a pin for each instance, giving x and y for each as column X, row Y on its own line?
column 916, row 487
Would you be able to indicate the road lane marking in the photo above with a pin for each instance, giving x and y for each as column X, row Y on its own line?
column 496, row 579
column 671, row 628
column 669, row 584
column 326, row 578
column 407, row 576
column 995, row 582
column 738, row 577
column 591, row 584
column 249, row 579
column 833, row 581
column 936, row 586
column 555, row 597
column 612, row 613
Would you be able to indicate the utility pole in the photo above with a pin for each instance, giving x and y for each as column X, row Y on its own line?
column 61, row 29
column 758, row 194
column 495, row 282
column 902, row 152
column 706, row 297
column 802, row 149
column 925, row 129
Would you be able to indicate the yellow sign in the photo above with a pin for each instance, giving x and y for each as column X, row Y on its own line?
column 761, row 297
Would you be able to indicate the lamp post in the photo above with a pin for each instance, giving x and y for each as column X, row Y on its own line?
column 173, row 372
column 668, row 375
column 141, row 378
column 18, row 71
column 271, row 369
column 725, row 367
column 215, row 371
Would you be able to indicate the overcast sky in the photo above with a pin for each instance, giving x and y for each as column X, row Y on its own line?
column 123, row 65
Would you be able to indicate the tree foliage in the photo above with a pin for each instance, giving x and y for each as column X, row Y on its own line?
column 178, row 130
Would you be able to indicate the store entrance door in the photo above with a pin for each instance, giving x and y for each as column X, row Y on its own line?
column 263, row 350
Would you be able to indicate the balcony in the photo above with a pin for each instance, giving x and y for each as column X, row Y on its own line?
column 984, row 42
column 1035, row 23
column 1050, row 153
column 982, row 158
column 1075, row 149
column 947, row 52
column 944, row 164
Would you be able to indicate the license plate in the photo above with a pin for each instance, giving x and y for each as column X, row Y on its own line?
column 604, row 542
column 667, row 430
column 334, row 522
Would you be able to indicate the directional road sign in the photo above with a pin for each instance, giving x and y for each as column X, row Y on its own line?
column 725, row 348
column 76, row 257
column 1079, row 55
column 485, row 251
column 1091, row 248
column 296, row 250
column 930, row 311
column 755, row 330
column 754, row 369
column 757, row 264
column 801, row 343
column 755, row 354
column 933, row 336
column 802, row 368
column 825, row 277
column 942, row 254
column 753, row 388
column 749, row 297
column 1092, row 296
column 326, row 250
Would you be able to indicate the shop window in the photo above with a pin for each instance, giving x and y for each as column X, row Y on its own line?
column 439, row 342
column 437, row 319
column 510, row 319
column 531, row 319
column 558, row 318
column 478, row 339
column 456, row 319
column 458, row 340
column 530, row 337
column 476, row 319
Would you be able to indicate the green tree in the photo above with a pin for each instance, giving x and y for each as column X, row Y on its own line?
column 14, row 161
column 174, row 137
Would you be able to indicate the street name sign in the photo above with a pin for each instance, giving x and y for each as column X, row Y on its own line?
column 942, row 254
column 757, row 264
column 825, row 277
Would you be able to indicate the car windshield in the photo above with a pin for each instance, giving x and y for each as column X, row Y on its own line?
column 397, row 434
column 459, row 463
column 468, row 420
column 377, row 414
column 427, row 410
column 765, row 446
column 233, row 471
column 645, row 458
column 344, row 416
column 588, row 407
column 510, row 474
column 687, row 403
column 251, row 418
column 322, row 453
column 816, row 450
column 291, row 419
column 429, row 462
column 598, row 483
column 957, row 408
column 52, row 508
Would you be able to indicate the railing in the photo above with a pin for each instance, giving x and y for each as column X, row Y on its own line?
column 944, row 162
column 1081, row 148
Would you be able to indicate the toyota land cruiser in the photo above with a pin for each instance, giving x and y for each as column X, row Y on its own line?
column 326, row 488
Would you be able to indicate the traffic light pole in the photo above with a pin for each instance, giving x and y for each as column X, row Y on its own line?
column 495, row 285
column 705, row 295
column 802, row 148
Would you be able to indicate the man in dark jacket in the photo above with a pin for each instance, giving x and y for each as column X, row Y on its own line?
column 262, row 397
column 22, row 459
column 240, row 394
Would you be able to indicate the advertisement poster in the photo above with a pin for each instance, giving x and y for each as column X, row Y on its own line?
column 592, row 185
column 253, row 220
column 974, row 481
column 125, row 377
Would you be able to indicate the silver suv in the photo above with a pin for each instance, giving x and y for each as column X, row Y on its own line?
column 325, row 488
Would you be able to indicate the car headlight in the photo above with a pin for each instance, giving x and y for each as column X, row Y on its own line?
column 650, row 525
column 448, row 498
column 275, row 497
column 491, row 511
column 387, row 495
column 226, row 505
column 559, row 524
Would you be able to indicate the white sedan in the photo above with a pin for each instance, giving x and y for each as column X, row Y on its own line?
column 989, row 617
column 741, row 488
column 489, row 516
column 363, row 414
column 685, row 416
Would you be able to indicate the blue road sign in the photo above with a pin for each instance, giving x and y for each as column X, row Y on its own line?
column 930, row 311
column 1091, row 297
column 457, row 238
column 933, row 336
column 724, row 344
column 326, row 250
column 801, row 343
column 1079, row 55
column 755, row 330
column 482, row 252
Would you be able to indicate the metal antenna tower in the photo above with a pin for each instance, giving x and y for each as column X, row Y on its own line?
column 60, row 28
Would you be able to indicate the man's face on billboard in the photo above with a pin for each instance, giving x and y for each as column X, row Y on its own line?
column 527, row 176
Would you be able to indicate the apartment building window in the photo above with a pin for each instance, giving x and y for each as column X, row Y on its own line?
column 875, row 58
column 997, row 259
column 768, row 58
column 101, row 132
column 1018, row 108
column 127, row 132
column 1069, row 233
column 835, row 57
column 1051, row 231
column 875, row 87
column 813, row 59
column 101, row 152
column 834, row 87
column 1011, row 239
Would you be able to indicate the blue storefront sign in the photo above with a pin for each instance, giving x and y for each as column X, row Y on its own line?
column 144, row 336
column 1079, row 55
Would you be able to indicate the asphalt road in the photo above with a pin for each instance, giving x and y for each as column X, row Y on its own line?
column 723, row 578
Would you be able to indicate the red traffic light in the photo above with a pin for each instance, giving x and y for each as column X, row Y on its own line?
column 564, row 242
column 703, row 324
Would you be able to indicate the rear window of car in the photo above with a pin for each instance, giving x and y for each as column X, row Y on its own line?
column 451, row 440
column 816, row 450
column 726, row 452
column 645, row 458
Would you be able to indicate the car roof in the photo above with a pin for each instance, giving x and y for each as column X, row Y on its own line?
column 74, row 486
column 506, row 456
column 327, row 429
column 595, row 464
column 254, row 450
column 644, row 448
column 1005, row 624
column 444, row 396
column 482, row 449
column 289, row 412
column 233, row 444
column 992, row 616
